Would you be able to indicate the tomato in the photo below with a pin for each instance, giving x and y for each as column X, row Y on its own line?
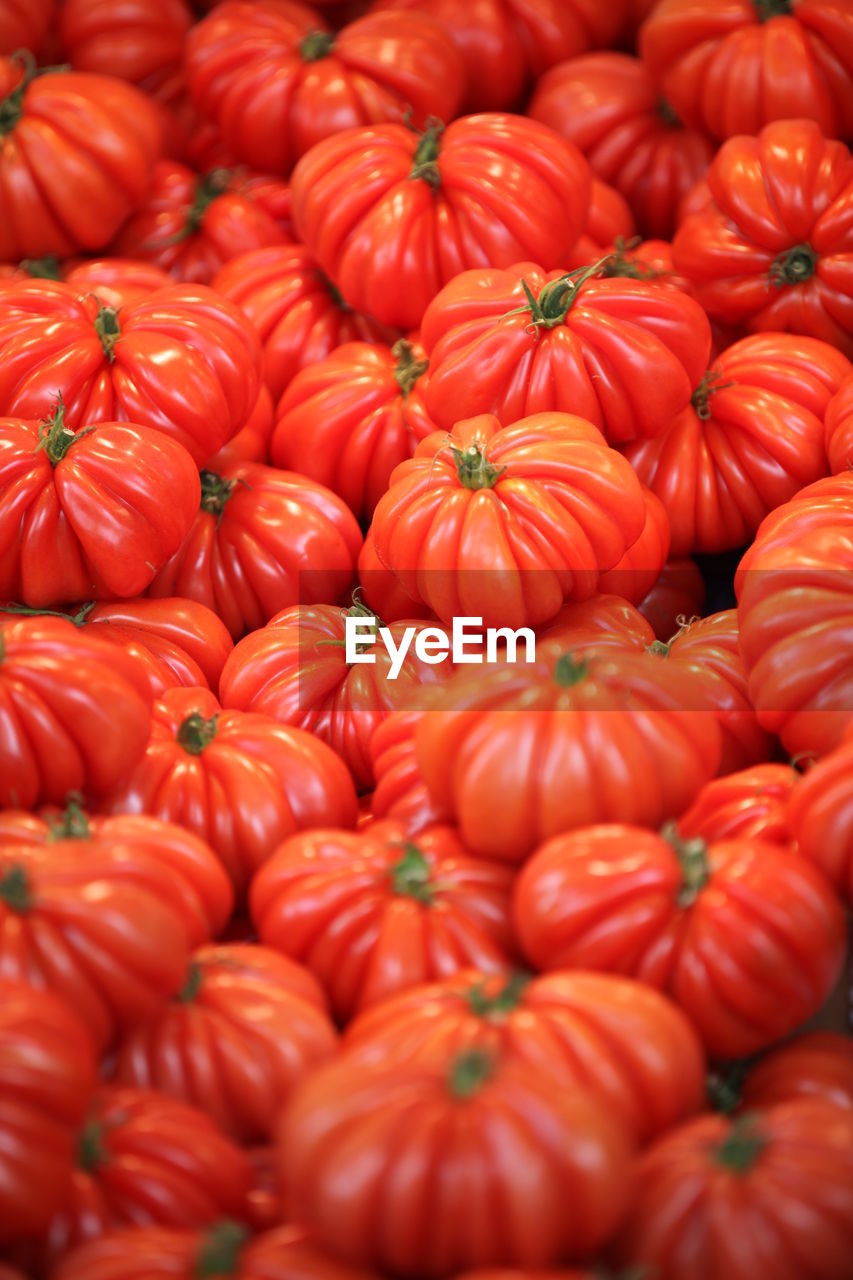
column 118, row 282
column 603, row 620
column 47, row 1074
column 391, row 216
column 505, row 524
column 295, row 670
column 609, row 219
column 183, row 361
column 720, row 1198
column 237, row 779
column 375, row 912
column 348, row 420
column 634, row 576
column 676, row 598
column 227, row 1249
column 76, row 156
column 24, row 24
column 751, row 804
column 251, row 443
column 506, row 44
column 298, row 314
column 275, row 87
column 772, row 249
column 732, row 68
column 95, row 513
column 839, row 428
column 820, row 815
column 625, row 354
column 616, row 1040
column 611, row 741
column 262, row 540
column 251, row 1024
column 747, row 936
column 439, row 1144
column 752, row 436
column 400, row 792
column 74, row 713
column 817, row 1064
column 381, row 588
column 610, row 106
column 795, row 617
column 192, row 224
column 140, row 40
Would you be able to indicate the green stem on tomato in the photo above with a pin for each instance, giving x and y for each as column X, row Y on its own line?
column 427, row 152
column 410, row 876
column 794, row 266
column 219, row 1254
column 693, row 858
column 408, row 369
column 740, row 1150
column 469, row 1071
column 196, row 733
column 15, row 890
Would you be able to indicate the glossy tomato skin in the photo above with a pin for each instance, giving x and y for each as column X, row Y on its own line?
column 706, row 1198
column 636, row 573
column 237, row 779
column 624, row 354
column 610, row 106
column 676, row 597
column 400, row 793
column 391, row 218
column 563, row 1025
column 603, row 620
column 745, row 935
column 183, row 361
column 839, row 428
column 23, row 24
column 117, row 281
column 251, row 443
column 76, row 157
column 752, row 436
column 142, row 41
column 817, row 1064
column 820, row 815
column 465, row 523
column 295, row 671
column 349, row 420
column 276, row 88
column 732, row 68
column 381, row 589
column 47, row 1074
column 74, row 713
column 262, row 540
column 772, row 249
column 89, row 515
column 375, row 912
column 604, row 716
column 749, row 804
column 252, row 1024
column 420, row 1132
column 297, row 312
column 795, row 617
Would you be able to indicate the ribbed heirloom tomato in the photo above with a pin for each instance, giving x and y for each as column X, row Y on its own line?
column 677, row 596
column 749, row 804
column 400, row 792
column 820, row 816
column 139, row 40
column 391, row 215
column 634, row 576
column 839, row 429
column 818, row 1064
column 23, row 24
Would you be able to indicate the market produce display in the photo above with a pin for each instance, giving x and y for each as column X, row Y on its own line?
column 426, row 640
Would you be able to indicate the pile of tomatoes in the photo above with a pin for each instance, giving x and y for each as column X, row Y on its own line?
column 329, row 959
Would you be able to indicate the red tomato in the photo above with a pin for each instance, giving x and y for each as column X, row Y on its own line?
column 795, row 615
column 773, row 248
column 625, row 354
column 47, row 1073
column 609, row 219
column 612, row 742
column 610, row 106
column 677, row 597
column 76, row 156
column 603, row 620
column 74, row 713
column 262, row 540
column 506, row 44
column 818, row 1064
column 373, row 913
column 620, row 1042
column 239, row 780
column 90, row 514
column 348, row 420
column 751, row 437
column 747, row 936
column 118, row 282
column 295, row 670
column 720, row 1198
column 276, row 87
column 820, row 814
column 391, row 216
column 192, row 224
column 381, row 588
column 439, row 1144
column 400, row 792
column 751, row 805
column 839, row 429
column 298, row 314
column 733, row 67
column 251, row 443
column 505, row 524
column 24, row 24
column 139, row 40
column 634, row 576
column 251, row 1024
column 184, row 361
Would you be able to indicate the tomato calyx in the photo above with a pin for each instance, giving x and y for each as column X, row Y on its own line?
column 618, row 265
column 710, row 383
column 410, row 876
column 473, row 469
column 408, row 369
column 220, row 1250
column 504, row 1000
column 15, row 890
column 659, row 648
column 215, row 493
column 427, row 152
column 55, row 438
column 556, row 298
column 724, row 1087
column 316, row 45
column 741, row 1148
column 693, row 858
column 196, row 733
column 667, row 114
column 568, row 671
column 767, row 9
column 794, row 266
column 12, row 106
column 208, row 187
column 41, row 268
column 193, row 984
column 108, row 330
column 90, row 1150
column 469, row 1071
column 72, row 824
